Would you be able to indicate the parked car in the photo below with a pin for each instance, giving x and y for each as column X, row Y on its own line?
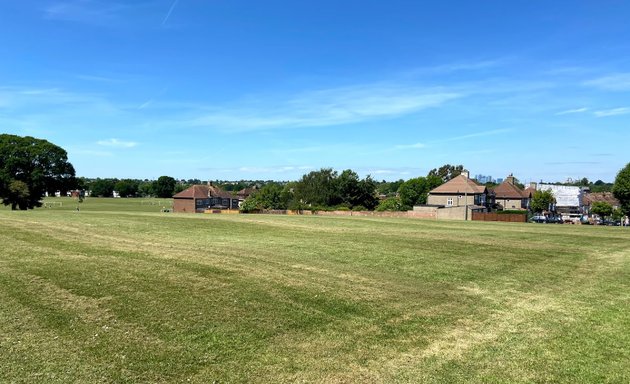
column 610, row 222
column 538, row 219
column 555, row 220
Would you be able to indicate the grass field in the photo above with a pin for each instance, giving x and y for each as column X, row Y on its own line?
column 120, row 292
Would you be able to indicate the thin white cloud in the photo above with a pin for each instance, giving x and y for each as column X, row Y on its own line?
column 614, row 82
column 612, row 112
column 328, row 107
column 39, row 91
column 388, row 172
column 309, row 149
column 100, row 79
column 567, row 70
column 572, row 163
column 411, row 146
column 89, row 152
column 460, row 66
column 152, row 99
column 18, row 97
column 85, row 11
column 280, row 169
column 145, row 104
column 475, row 135
column 170, row 11
column 454, row 138
column 471, row 65
column 117, row 143
column 478, row 152
column 572, row 111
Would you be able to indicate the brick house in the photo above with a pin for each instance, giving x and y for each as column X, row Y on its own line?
column 508, row 195
column 244, row 193
column 199, row 198
column 460, row 191
column 606, row 197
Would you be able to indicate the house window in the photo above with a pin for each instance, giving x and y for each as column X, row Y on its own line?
column 449, row 202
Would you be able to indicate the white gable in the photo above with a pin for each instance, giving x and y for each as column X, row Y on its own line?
column 566, row 196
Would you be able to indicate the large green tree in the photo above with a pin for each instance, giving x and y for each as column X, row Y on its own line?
column 145, row 188
column 348, row 188
column 102, row 187
column 126, row 188
column 389, row 187
column 367, row 194
column 621, row 188
column 270, row 196
column 541, row 201
column 318, row 188
column 447, row 172
column 355, row 192
column 29, row 168
column 415, row 191
column 164, row 186
column 327, row 188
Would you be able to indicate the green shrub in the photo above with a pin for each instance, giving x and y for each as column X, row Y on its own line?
column 391, row 204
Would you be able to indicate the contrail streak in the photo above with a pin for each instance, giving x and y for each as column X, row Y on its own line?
column 170, row 11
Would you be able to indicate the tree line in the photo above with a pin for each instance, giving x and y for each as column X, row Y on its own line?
column 327, row 189
column 30, row 168
column 163, row 187
column 323, row 189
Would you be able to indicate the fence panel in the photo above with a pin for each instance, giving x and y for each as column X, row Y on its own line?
column 511, row 217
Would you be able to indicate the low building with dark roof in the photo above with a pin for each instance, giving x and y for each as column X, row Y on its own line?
column 199, row 198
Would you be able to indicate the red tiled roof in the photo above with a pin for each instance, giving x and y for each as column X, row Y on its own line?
column 460, row 184
column 245, row 192
column 529, row 191
column 196, row 191
column 607, row 197
column 218, row 192
column 202, row 192
column 507, row 190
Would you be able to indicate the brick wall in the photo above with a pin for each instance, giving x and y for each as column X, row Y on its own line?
column 405, row 214
column 184, row 205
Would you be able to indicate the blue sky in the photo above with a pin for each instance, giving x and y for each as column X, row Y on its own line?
column 271, row 90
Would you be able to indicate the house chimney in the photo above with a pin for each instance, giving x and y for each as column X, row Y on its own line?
column 510, row 179
column 533, row 185
column 465, row 173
